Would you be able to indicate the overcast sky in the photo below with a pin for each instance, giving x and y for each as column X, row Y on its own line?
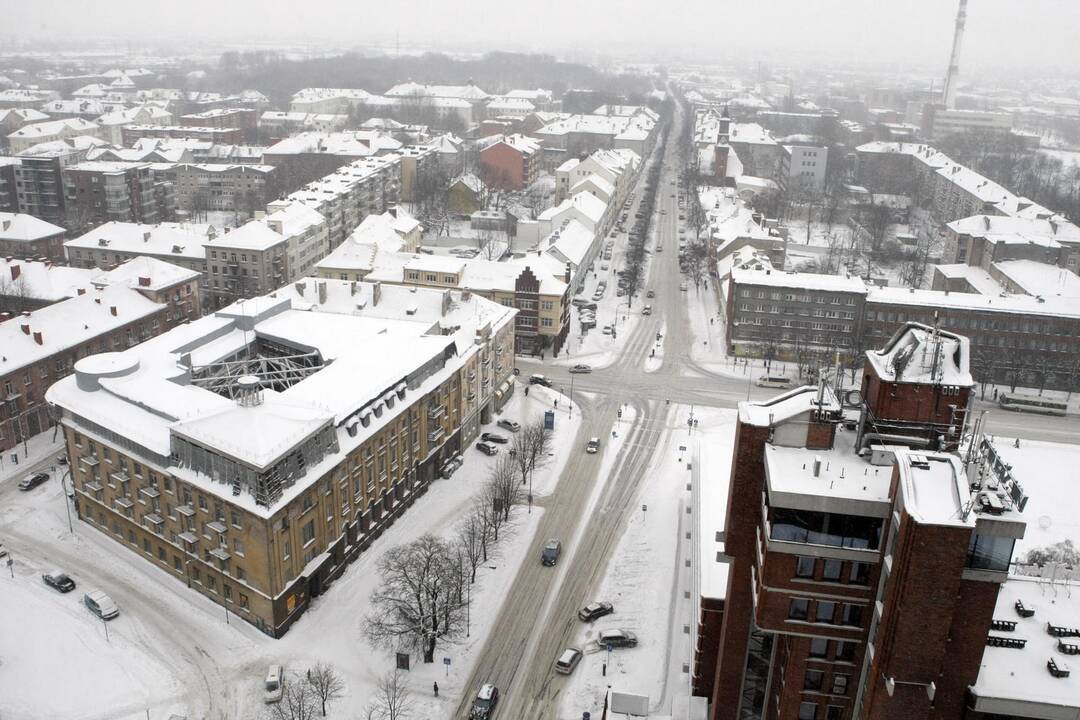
column 901, row 33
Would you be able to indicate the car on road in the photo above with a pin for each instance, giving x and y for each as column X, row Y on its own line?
column 682, row 286
column 593, row 446
column 29, row 483
column 508, row 425
column 659, row 248
column 647, row 310
column 539, row 380
column 58, row 581
column 607, row 330
column 569, row 660
column 487, row 448
column 3, row 551
column 495, row 438
column 100, row 604
column 581, row 368
column 594, row 611
column 616, row 638
column 274, row 684
column 484, row 704
column 550, row 554
column 650, row 294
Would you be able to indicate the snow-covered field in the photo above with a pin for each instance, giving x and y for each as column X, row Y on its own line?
column 55, row 660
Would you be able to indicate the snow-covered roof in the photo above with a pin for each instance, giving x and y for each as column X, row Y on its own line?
column 25, row 115
column 522, row 143
column 70, row 323
column 357, row 143
column 802, row 281
column 182, row 240
column 997, row 228
column 462, row 92
column 601, row 185
column 145, row 273
column 66, row 146
column 20, row 227
column 43, row 281
column 934, row 487
column 515, row 104
column 53, row 127
column 1052, row 306
column 790, row 474
column 751, row 133
column 786, row 406
column 1036, row 278
column 571, row 242
column 253, row 235
column 588, row 205
column 917, row 353
column 140, row 114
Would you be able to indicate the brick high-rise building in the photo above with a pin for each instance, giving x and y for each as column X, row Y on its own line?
column 865, row 558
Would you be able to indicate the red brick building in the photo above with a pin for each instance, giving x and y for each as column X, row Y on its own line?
column 41, row 346
column 864, row 562
column 513, row 163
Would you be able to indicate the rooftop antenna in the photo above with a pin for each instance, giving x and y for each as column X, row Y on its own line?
column 948, row 94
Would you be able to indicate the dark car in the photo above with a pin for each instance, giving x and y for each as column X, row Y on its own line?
column 487, row 448
column 33, row 481
column 550, row 554
column 58, row 581
column 595, row 610
column 484, row 704
column 539, row 380
column 495, row 438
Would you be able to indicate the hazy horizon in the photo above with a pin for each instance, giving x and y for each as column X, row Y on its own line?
column 1000, row 33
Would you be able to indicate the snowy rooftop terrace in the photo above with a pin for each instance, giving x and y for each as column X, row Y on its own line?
column 918, row 354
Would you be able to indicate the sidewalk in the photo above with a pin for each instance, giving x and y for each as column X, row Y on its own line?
column 17, row 461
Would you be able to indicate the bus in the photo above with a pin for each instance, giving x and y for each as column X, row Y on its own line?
column 1031, row 403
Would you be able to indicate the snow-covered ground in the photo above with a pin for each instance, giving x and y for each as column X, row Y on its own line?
column 655, row 360
column 56, row 662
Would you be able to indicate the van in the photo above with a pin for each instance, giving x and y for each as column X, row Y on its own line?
column 274, row 685
column 550, row 554
column 774, row 381
column 569, row 659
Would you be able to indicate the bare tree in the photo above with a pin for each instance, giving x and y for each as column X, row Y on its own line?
column 531, row 446
column 326, row 683
column 471, row 541
column 298, row 702
column 503, row 480
column 392, row 700
column 16, row 295
column 418, row 601
column 489, row 505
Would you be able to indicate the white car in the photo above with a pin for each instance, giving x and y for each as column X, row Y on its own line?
column 682, row 286
column 274, row 685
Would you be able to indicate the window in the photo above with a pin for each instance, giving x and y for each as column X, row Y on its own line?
column 285, row 553
column 819, row 647
column 832, row 570
column 243, row 600
column 819, row 528
column 202, row 503
column 825, row 611
column 813, row 680
column 860, row 573
column 839, row 684
column 986, row 552
column 845, row 651
column 238, row 546
column 308, row 532
column 853, row 614
column 804, row 567
column 807, row 711
column 798, row 609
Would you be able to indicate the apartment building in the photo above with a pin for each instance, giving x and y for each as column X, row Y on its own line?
column 41, row 346
column 39, row 181
column 25, row 236
column 774, row 314
column 9, row 199
column 865, row 557
column 619, row 168
column 982, row 240
column 249, row 261
column 244, row 119
column 51, row 130
column 258, row 481
column 308, row 156
column 11, row 119
column 393, row 231
column 803, row 166
column 334, row 101
column 220, row 186
column 277, row 125
column 97, row 192
column 219, row 135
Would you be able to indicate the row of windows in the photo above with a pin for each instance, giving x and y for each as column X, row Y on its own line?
column 832, row 570
column 825, row 612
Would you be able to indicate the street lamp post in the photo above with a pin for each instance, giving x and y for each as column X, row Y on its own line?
column 570, row 412
column 67, row 503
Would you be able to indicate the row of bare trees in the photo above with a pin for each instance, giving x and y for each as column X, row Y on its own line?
column 423, row 596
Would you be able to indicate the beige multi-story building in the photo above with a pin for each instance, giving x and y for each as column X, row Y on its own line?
column 256, row 481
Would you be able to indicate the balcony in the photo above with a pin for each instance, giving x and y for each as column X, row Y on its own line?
column 436, row 434
column 217, row 526
column 151, row 493
column 436, row 411
column 186, row 510
column 221, row 554
column 124, row 503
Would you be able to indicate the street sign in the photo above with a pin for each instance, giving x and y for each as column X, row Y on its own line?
column 446, row 661
column 644, row 508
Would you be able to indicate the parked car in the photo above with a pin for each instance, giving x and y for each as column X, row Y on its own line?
column 539, row 380
column 616, row 638
column 581, row 368
column 508, row 425
column 487, row 448
column 595, row 611
column 58, row 581
column 484, row 703
column 682, row 286
column 274, row 684
column 495, row 438
column 3, row 551
column 550, row 554
column 101, row 604
column 31, row 482
column 62, row 459
column 650, row 294
column 593, row 446
column 569, row 660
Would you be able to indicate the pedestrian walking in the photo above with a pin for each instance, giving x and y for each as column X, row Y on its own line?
column 436, row 689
